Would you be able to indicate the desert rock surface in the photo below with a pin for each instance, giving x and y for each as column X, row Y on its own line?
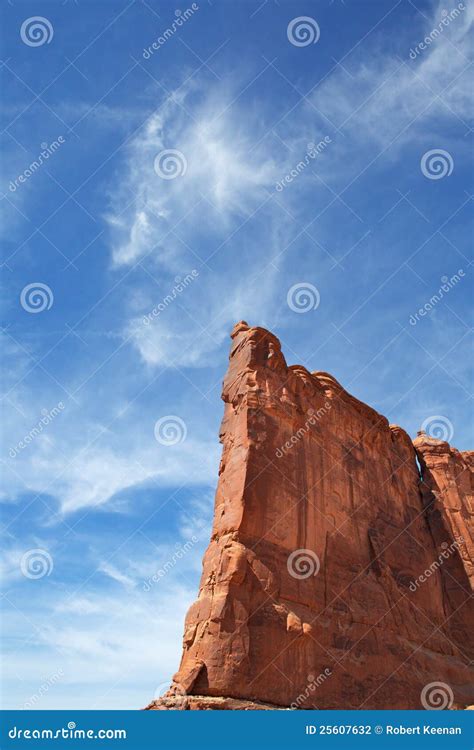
column 340, row 568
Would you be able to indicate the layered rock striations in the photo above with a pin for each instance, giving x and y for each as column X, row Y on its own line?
column 339, row 572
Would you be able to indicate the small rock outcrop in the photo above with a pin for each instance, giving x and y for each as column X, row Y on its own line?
column 340, row 568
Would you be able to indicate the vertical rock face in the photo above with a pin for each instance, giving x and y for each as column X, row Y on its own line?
column 337, row 576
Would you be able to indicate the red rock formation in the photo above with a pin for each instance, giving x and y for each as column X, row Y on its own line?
column 335, row 576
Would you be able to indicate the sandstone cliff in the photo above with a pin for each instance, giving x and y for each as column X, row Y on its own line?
column 339, row 572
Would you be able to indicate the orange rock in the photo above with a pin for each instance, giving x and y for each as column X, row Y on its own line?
column 335, row 576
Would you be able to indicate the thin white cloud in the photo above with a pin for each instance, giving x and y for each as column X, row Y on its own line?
column 383, row 95
column 225, row 185
column 216, row 163
column 72, row 630
column 112, row 572
column 82, row 462
column 231, row 169
column 93, row 477
column 10, row 562
column 174, row 339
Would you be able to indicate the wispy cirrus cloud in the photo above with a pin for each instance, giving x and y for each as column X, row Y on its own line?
column 87, row 621
column 389, row 98
column 223, row 183
column 92, row 478
column 213, row 140
column 116, row 575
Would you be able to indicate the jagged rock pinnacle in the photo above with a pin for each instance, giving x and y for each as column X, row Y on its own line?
column 239, row 328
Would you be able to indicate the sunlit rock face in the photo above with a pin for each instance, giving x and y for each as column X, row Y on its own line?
column 339, row 570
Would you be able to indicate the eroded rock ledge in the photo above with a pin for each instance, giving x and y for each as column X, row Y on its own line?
column 209, row 703
column 340, row 568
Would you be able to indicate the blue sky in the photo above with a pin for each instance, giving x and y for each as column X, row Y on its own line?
column 371, row 226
